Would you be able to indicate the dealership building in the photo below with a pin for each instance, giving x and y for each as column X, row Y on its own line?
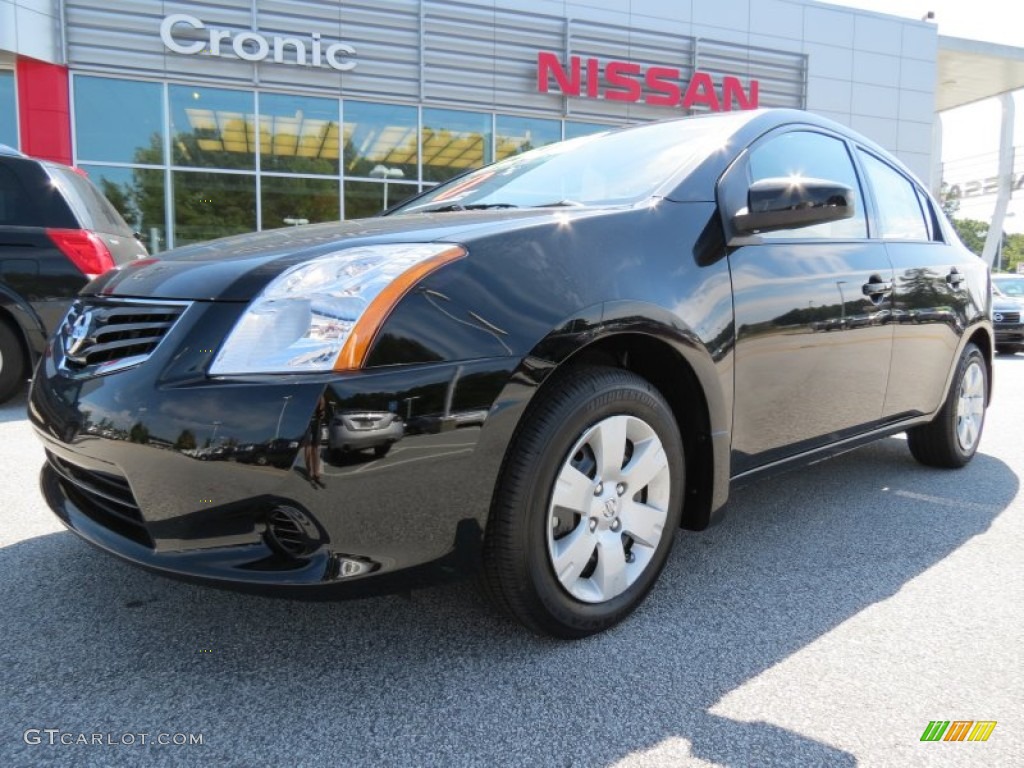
column 202, row 119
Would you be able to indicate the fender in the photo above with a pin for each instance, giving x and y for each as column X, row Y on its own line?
column 599, row 323
column 26, row 322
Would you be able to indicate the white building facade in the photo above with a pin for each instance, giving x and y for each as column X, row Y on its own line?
column 200, row 119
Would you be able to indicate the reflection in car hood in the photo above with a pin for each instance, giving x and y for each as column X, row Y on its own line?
column 237, row 268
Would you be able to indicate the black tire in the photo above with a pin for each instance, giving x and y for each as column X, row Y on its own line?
column 12, row 363
column 518, row 571
column 939, row 443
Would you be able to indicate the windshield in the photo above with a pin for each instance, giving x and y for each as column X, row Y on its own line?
column 603, row 169
column 1010, row 286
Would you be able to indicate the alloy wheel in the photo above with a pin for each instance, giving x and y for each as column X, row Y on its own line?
column 970, row 409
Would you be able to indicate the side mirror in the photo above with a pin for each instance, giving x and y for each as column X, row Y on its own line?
column 791, row 203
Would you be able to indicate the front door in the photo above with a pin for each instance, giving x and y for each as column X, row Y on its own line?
column 812, row 308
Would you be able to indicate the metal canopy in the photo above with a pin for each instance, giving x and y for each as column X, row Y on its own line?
column 972, row 70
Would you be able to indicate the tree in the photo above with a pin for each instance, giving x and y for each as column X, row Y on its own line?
column 972, row 232
column 1012, row 251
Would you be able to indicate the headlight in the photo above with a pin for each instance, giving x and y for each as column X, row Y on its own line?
column 324, row 314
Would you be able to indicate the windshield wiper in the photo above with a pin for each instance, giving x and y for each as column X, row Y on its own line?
column 469, row 207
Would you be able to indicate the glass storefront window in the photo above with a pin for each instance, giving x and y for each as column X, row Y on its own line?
column 318, row 156
column 521, row 134
column 120, row 121
column 298, row 134
column 380, row 141
column 368, row 198
column 212, row 127
column 290, row 201
column 8, row 110
column 138, row 195
column 209, row 205
column 454, row 142
column 574, row 129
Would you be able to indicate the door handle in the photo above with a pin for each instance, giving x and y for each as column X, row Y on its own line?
column 877, row 288
column 954, row 278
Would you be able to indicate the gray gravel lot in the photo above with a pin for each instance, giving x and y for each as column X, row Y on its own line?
column 835, row 612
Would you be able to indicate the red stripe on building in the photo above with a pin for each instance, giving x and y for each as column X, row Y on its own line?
column 44, row 110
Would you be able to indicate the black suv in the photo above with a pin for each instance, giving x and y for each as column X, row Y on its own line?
column 57, row 232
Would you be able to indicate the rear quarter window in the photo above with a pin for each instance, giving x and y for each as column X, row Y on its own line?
column 14, row 208
column 90, row 206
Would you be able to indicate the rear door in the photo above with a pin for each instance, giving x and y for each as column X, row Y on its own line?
column 812, row 341
column 932, row 304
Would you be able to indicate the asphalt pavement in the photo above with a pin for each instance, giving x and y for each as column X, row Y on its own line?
column 835, row 613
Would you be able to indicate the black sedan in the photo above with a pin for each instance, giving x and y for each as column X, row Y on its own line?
column 587, row 345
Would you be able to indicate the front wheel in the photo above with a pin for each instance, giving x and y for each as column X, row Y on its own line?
column 587, row 505
column 951, row 439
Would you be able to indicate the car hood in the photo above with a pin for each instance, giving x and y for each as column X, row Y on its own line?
column 238, row 268
column 1006, row 304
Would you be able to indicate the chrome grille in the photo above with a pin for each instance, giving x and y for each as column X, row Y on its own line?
column 101, row 337
column 1007, row 317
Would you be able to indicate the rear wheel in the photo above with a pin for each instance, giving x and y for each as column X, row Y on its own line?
column 587, row 506
column 951, row 439
column 12, row 363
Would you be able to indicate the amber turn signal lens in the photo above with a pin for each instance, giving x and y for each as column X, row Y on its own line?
column 361, row 338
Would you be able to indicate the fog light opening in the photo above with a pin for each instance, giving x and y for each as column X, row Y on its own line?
column 292, row 532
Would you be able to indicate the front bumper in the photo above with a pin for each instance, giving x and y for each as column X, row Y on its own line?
column 151, row 465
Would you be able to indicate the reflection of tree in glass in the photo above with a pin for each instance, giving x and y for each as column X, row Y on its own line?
column 448, row 153
column 209, row 205
column 366, row 198
column 509, row 147
column 186, row 441
column 139, row 433
column 141, row 202
column 204, row 148
column 373, row 151
column 918, row 289
column 298, row 198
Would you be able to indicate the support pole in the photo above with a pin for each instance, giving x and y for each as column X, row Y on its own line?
column 995, row 230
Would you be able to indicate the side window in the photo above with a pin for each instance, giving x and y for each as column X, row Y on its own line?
column 899, row 209
column 934, row 230
column 13, row 199
column 817, row 156
column 93, row 210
